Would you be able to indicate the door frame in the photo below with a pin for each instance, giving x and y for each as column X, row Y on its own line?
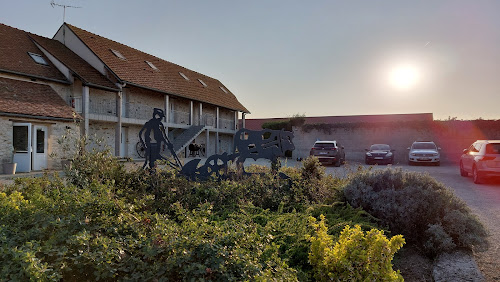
column 39, row 160
column 23, row 159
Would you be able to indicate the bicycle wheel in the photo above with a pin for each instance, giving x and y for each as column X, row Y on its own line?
column 141, row 150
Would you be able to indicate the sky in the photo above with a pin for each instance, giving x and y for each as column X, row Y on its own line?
column 314, row 58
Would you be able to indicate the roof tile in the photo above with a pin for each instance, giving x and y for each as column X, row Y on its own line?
column 34, row 99
column 135, row 70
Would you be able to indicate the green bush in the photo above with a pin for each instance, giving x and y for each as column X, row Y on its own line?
column 356, row 256
column 419, row 207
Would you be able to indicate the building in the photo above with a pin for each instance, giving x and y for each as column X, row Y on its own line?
column 81, row 82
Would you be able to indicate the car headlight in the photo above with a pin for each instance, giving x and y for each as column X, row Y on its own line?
column 413, row 154
column 435, row 154
column 388, row 154
column 369, row 154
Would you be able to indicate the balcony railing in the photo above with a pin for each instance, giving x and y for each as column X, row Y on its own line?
column 76, row 103
column 226, row 124
column 107, row 108
column 179, row 117
column 138, row 111
column 207, row 120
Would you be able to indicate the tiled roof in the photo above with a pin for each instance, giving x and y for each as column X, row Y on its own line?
column 72, row 61
column 27, row 98
column 134, row 69
column 14, row 47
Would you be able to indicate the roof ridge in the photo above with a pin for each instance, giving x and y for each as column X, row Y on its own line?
column 72, row 26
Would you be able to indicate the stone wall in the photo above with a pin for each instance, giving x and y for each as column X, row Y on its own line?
column 6, row 150
column 451, row 136
column 105, row 132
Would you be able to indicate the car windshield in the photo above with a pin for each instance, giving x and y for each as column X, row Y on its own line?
column 492, row 149
column 420, row 146
column 380, row 147
column 324, row 145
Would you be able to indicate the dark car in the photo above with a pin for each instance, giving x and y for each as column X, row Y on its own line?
column 379, row 153
column 328, row 152
column 481, row 159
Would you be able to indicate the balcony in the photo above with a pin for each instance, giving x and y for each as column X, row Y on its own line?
column 207, row 120
column 226, row 124
column 107, row 108
column 138, row 111
column 179, row 117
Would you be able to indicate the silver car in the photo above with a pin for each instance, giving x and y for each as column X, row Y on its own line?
column 482, row 159
column 424, row 152
column 328, row 152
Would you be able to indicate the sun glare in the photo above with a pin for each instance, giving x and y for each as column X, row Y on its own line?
column 404, row 77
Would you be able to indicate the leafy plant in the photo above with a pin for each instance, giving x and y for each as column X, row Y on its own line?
column 422, row 209
column 356, row 256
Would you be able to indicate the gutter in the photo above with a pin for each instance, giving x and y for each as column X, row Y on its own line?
column 35, row 76
column 37, row 117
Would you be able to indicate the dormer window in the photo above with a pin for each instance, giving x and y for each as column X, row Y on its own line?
column 202, row 83
column 38, row 59
column 151, row 65
column 118, row 54
column 223, row 89
column 184, row 76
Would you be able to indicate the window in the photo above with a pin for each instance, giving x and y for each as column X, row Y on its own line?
column 20, row 139
column 38, row 59
column 118, row 54
column 151, row 65
column 223, row 89
column 202, row 83
column 183, row 75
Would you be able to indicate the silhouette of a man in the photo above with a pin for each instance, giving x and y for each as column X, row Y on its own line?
column 154, row 139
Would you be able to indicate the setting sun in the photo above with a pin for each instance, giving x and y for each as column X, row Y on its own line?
column 404, row 77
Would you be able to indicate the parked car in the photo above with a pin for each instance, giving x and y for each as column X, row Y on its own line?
column 379, row 153
column 424, row 152
column 328, row 152
column 482, row 159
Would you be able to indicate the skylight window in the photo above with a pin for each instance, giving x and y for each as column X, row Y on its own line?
column 223, row 89
column 118, row 54
column 151, row 65
column 202, row 83
column 38, row 59
column 183, row 75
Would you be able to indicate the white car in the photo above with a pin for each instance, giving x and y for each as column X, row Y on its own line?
column 424, row 152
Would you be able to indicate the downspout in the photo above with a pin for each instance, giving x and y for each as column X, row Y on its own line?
column 119, row 110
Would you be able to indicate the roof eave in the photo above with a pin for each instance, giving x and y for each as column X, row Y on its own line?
column 35, row 76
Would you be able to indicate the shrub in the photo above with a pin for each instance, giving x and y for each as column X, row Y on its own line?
column 413, row 204
column 356, row 256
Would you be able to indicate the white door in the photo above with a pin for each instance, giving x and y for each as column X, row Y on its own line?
column 123, row 143
column 39, row 147
column 22, row 146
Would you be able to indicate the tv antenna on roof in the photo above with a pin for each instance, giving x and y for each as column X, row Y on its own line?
column 52, row 3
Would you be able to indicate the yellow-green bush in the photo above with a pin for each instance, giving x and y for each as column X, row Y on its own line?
column 356, row 256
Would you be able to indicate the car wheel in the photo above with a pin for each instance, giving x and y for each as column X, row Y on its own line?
column 462, row 170
column 367, row 162
column 410, row 163
column 476, row 177
column 437, row 163
column 337, row 163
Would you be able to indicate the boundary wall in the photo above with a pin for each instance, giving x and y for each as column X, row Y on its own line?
column 451, row 136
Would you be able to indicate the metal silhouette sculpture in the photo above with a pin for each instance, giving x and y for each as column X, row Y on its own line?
column 264, row 144
column 155, row 139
